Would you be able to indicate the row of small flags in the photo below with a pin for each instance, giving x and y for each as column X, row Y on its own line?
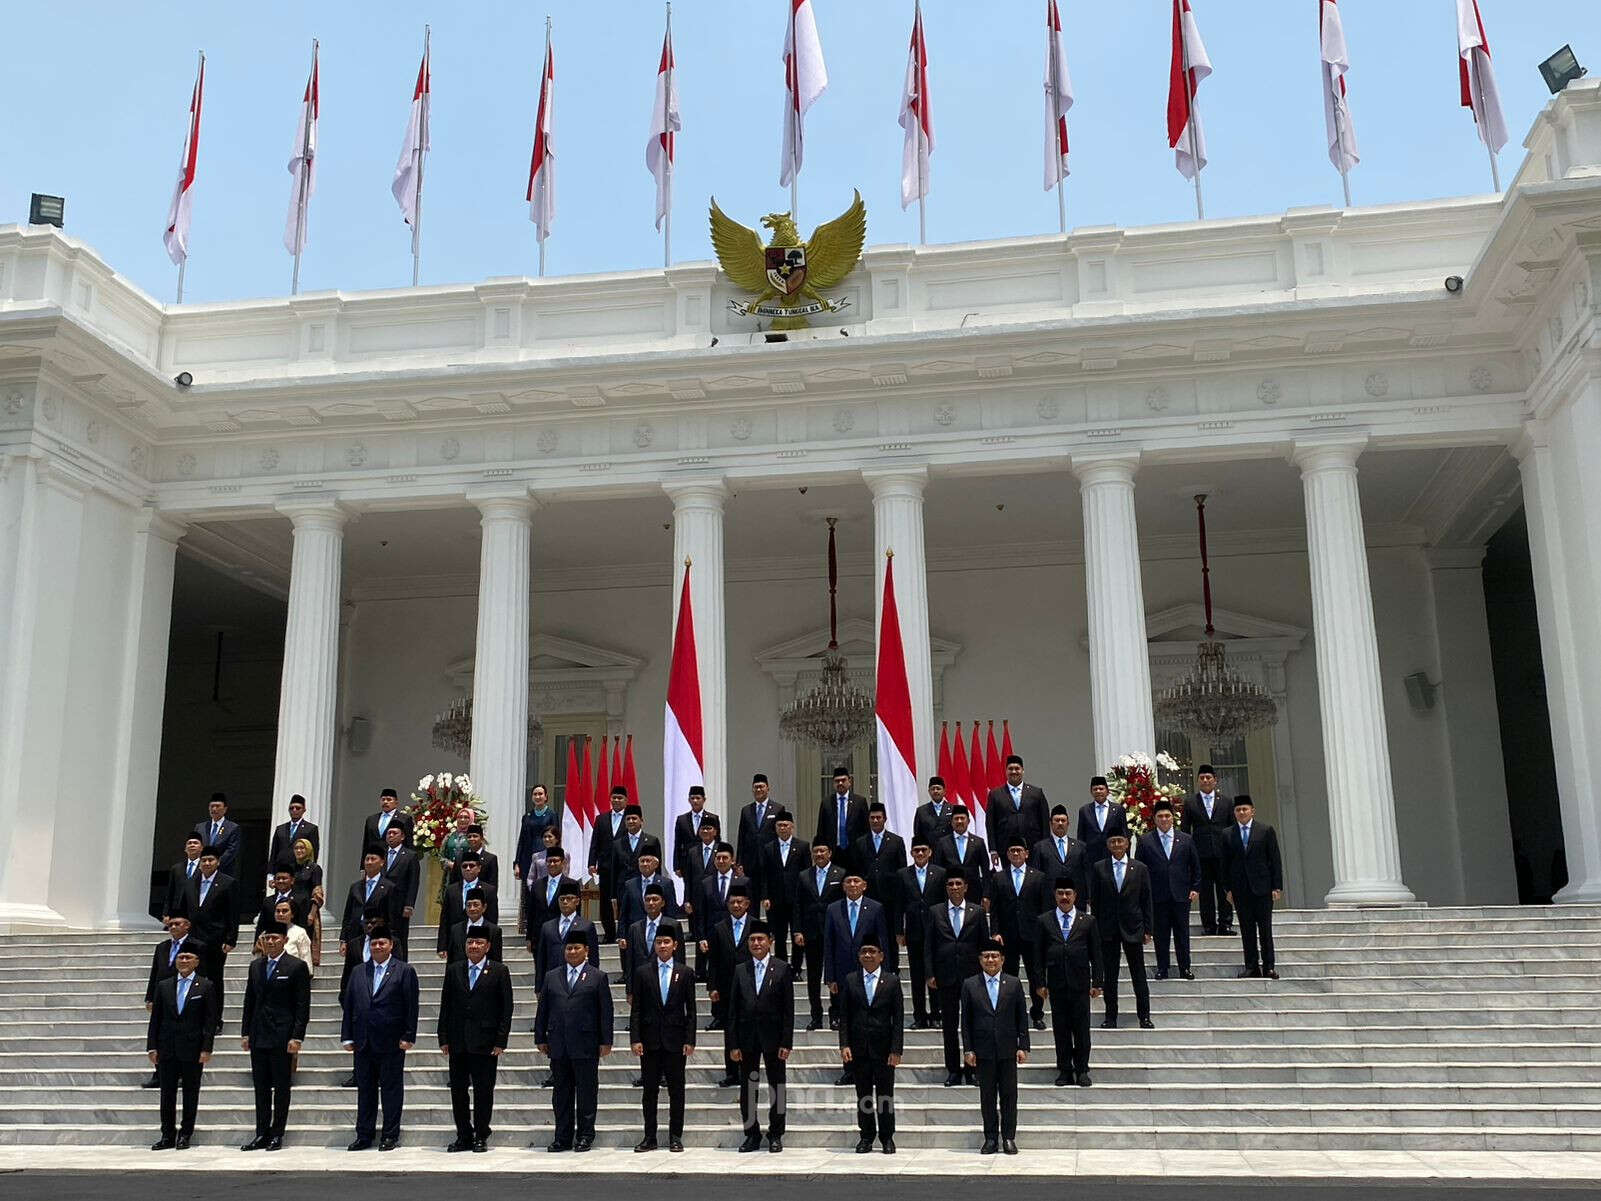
column 587, row 796
column 970, row 775
column 805, row 80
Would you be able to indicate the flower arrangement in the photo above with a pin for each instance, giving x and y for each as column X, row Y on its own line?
column 1135, row 783
column 434, row 807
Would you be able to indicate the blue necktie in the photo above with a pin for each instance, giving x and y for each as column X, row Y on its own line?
column 1067, row 923
column 1167, row 845
column 372, row 882
column 650, row 935
column 1017, row 800
column 377, row 980
column 183, row 991
column 840, row 803
column 1245, row 837
column 216, row 831
column 1017, row 881
column 761, row 971
column 822, row 874
column 956, row 920
column 994, row 984
column 383, row 824
column 1117, row 870
column 739, row 931
column 205, row 887
column 272, row 968
column 190, row 873
column 550, row 890
column 855, row 909
column 472, row 977
column 961, row 846
column 878, row 842
column 392, row 853
column 172, row 959
column 1061, row 849
column 870, row 984
column 667, row 980
column 572, row 978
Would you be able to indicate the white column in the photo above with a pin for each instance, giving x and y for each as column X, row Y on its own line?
column 131, row 816
column 307, row 701
column 1356, row 749
column 698, row 536
column 898, row 527
column 499, row 765
column 1120, row 666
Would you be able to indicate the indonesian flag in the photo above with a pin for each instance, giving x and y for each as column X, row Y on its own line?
column 897, row 750
column 408, row 171
column 1336, row 113
column 956, row 781
column 542, row 165
column 994, row 773
column 682, row 744
column 944, row 769
column 303, row 166
column 805, row 77
column 574, row 809
column 916, row 119
column 1006, row 751
column 177, row 235
column 977, row 797
column 664, row 126
column 1478, row 79
column 1058, row 99
column 630, row 780
column 586, row 810
column 600, row 800
column 1183, row 122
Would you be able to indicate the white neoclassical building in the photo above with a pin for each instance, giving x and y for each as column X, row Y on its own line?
column 365, row 505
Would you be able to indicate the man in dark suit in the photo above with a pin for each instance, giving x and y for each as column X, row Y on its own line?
column 371, row 893
column 281, row 851
column 711, row 899
column 957, row 929
column 355, row 948
column 819, row 887
column 404, row 874
column 474, row 923
column 639, row 943
column 281, row 887
column 379, row 1027
column 453, row 906
column 1016, row 810
column 932, row 820
column 277, row 1008
column 602, row 863
column 963, row 853
column 212, row 903
column 850, row 921
column 842, row 818
column 164, row 965
column 474, row 1030
column 1255, row 874
column 758, row 824
column 1122, row 903
column 1208, row 818
column 698, row 862
column 179, row 875
column 631, row 897
column 574, row 1028
column 373, row 834
column 628, row 846
column 872, row 1029
column 879, row 856
column 921, row 887
column 488, row 861
column 762, row 1010
column 553, row 934
column 1060, row 854
column 1099, row 819
column 686, row 831
column 728, row 946
column 222, row 833
column 183, row 1023
column 1018, row 894
column 994, row 1042
column 784, row 859
column 1068, row 951
column 1169, row 855
column 661, row 1031
column 542, row 895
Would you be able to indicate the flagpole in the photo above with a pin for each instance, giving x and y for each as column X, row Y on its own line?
column 544, row 65
column 667, row 225
column 183, row 264
column 1340, row 128
column 422, row 153
column 1051, row 46
column 921, row 51
column 794, row 119
column 1195, row 151
column 1478, row 79
column 305, row 174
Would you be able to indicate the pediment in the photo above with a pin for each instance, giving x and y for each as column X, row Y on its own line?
column 1187, row 623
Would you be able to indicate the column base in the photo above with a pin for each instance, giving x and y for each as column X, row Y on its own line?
column 1366, row 894
column 141, row 922
column 16, row 918
column 1579, row 892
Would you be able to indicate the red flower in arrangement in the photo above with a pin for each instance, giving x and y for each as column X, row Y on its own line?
column 1135, row 783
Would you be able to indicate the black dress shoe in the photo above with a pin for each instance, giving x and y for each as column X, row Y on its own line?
column 1039, row 1023
column 990, row 1147
column 815, row 1024
column 728, row 1082
column 349, row 1081
column 480, row 1145
column 153, row 1082
column 1159, row 976
column 645, row 1144
column 388, row 1144
column 889, row 1146
column 833, row 1023
column 182, row 1144
column 753, row 1142
column 970, row 1077
column 1084, row 1080
column 1271, row 974
column 460, row 1144
column 547, row 1082
column 863, row 1146
column 1147, row 1024
column 1248, row 973
column 844, row 1078
column 1009, row 1146
column 1209, row 930
column 1187, row 974
column 559, row 1147
column 583, row 1144
column 638, row 1082
column 360, row 1144
column 164, row 1144
column 714, row 1024
column 1109, row 1024
column 953, row 1080
column 1063, row 1080
column 775, row 1144
column 1226, row 930
column 255, row 1144
column 676, row 1144
column 275, row 1143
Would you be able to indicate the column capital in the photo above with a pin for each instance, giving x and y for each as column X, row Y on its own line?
column 905, row 482
column 160, row 525
column 1535, row 435
column 1454, row 558
column 1337, row 453
column 502, row 502
column 703, row 492
column 316, row 513
column 1118, row 468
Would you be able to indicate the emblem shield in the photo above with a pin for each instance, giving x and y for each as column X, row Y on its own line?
column 786, row 268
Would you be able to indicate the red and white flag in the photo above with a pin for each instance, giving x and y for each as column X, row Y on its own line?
column 407, row 184
column 177, row 235
column 978, row 788
column 303, row 165
column 1478, row 78
column 665, row 123
column 683, row 762
column 574, row 808
column 542, row 165
column 805, row 77
column 916, row 119
column 1190, row 65
column 892, row 706
column 1336, row 112
column 945, row 763
column 1058, row 98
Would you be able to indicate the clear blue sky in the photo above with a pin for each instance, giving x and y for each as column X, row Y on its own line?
column 97, row 95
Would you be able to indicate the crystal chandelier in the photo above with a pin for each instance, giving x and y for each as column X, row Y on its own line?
column 1212, row 700
column 835, row 714
column 453, row 729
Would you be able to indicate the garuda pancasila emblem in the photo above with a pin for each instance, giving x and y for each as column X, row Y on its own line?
column 787, row 275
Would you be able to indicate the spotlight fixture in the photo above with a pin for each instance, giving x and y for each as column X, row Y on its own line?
column 47, row 210
column 1561, row 69
column 183, row 379
column 1453, row 284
